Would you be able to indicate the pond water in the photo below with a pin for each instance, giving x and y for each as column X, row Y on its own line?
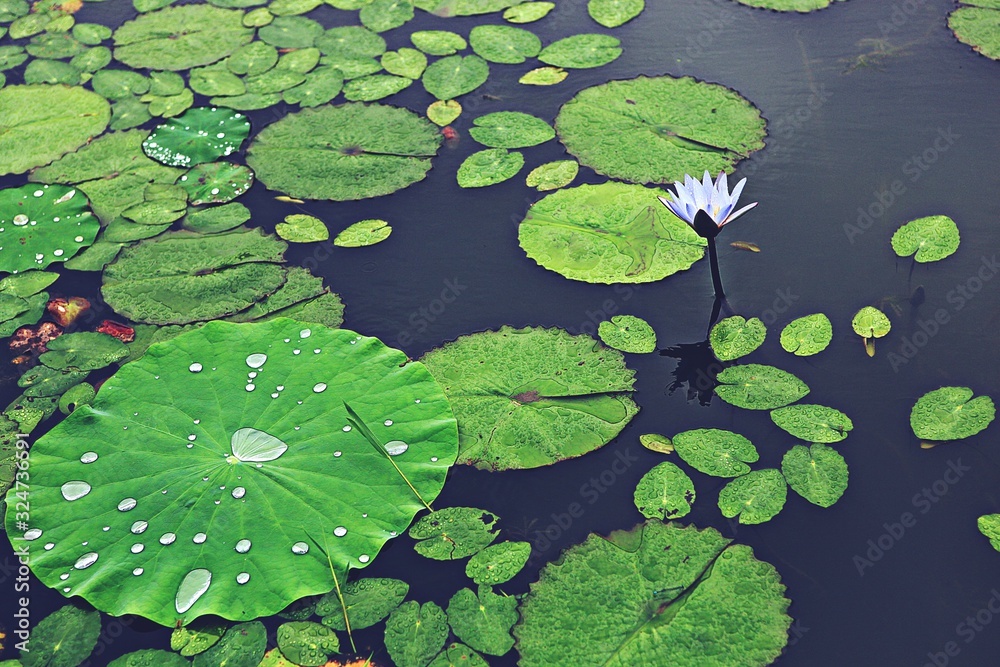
column 876, row 116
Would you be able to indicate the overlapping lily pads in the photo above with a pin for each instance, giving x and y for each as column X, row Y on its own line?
column 179, row 38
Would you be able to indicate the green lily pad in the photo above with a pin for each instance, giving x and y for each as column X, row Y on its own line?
column 96, row 257
column 92, row 59
column 248, row 102
column 351, row 42
column 543, row 76
column 438, row 42
column 989, row 525
column 383, row 15
column 363, row 233
column 165, row 83
column 214, row 81
column 608, row 233
column 51, row 72
column 818, row 473
column 628, row 334
column 927, row 239
column 489, row 167
column 35, row 308
column 179, row 38
column 483, row 621
column 374, row 87
column 655, row 442
column 553, row 175
column 91, row 33
column 444, row 112
column 221, row 382
column 273, row 81
column 807, row 335
column 415, row 633
column 463, row 7
column 306, row 643
column 759, row 387
column 300, row 286
column 243, row 645
column 504, row 43
column 405, row 62
column 453, row 76
column 300, row 228
column 196, row 637
column 613, row 13
column 455, row 655
column 54, row 45
column 291, row 32
column 149, row 658
column 169, row 106
column 43, row 122
column 11, row 56
column 870, row 323
column 735, row 337
column 665, row 492
column 716, row 452
column 656, row 130
column 40, row 225
column 528, row 12
column 498, row 563
column 216, row 219
column 84, row 351
column 951, row 413
column 129, row 113
column 530, row 397
column 368, row 601
column 978, row 26
column 252, row 59
column 215, row 182
column 326, row 309
column 119, row 84
column 74, row 397
column 453, row 533
column 660, row 594
column 321, row 85
column 200, row 135
column 258, row 18
column 788, row 5
column 755, row 497
column 344, row 152
column 582, row 51
column 813, row 423
column 511, row 129
column 64, row 638
column 293, row 7
column 353, row 68
column 27, row 284
column 299, row 60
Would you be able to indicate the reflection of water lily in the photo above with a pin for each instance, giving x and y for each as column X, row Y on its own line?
column 707, row 207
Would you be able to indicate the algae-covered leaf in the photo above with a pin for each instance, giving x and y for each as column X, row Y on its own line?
column 489, row 167
column 807, row 335
column 179, row 38
column 543, row 76
column 661, row 594
column 64, row 638
column 456, row 655
column 628, row 333
column 951, row 413
column 498, row 563
column 374, row 87
column 301, row 228
column 215, row 182
column 608, row 233
column 581, row 51
column 42, row 224
column 352, row 151
column 715, row 452
column 243, row 645
column 818, row 473
column 759, row 387
column 444, row 112
column 234, row 415
column 813, row 423
column 202, row 134
column 553, row 175
column 735, row 337
column 613, row 13
column 367, row 600
column 42, row 122
column 438, row 42
column 405, row 62
column 927, row 239
column 755, row 497
column 528, row 12
column 363, row 233
column 504, row 43
column 83, row 351
column 665, row 492
column 453, row 532
column 483, row 621
column 656, row 442
column 383, row 15
column 989, row 525
column 657, row 129
column 453, row 76
column 511, row 129
column 415, row 633
column 978, row 26
column 463, row 7
column 530, row 397
column 306, row 643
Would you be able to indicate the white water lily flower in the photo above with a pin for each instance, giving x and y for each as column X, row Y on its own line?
column 712, row 200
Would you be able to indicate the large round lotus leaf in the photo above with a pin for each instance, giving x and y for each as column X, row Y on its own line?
column 978, row 26
column 368, row 601
column 453, row 533
column 553, row 175
column 581, row 51
column 528, row 12
column 181, row 277
column 453, row 76
column 463, row 7
column 245, row 428
column 489, row 167
column 759, row 387
column 715, row 452
column 813, row 423
column 405, row 62
column 817, row 473
column 613, row 13
column 352, row 151
column 351, row 42
column 665, row 492
column 215, row 182
column 927, row 239
column 42, row 224
column 483, row 621
column 291, row 32
column 511, row 129
column 178, row 38
column 438, row 42
column 529, row 397
column 41, row 122
column 807, row 335
column 498, row 563
column 756, row 497
column 735, row 337
column 543, row 76
column 951, row 413
column 374, row 87
column 627, row 333
column 656, row 130
column 787, row 5
column 306, row 643
column 64, row 638
column 202, row 134
column 608, row 233
column 989, row 525
column 383, row 15
column 363, row 233
column 660, row 594
column 504, row 43
column 444, row 112
column 458, row 655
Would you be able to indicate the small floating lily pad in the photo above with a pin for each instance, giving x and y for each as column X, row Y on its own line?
column 553, row 175
column 528, row 12
column 405, row 62
column 582, row 51
column 453, row 76
column 444, row 112
column 504, row 43
column 196, row 638
column 351, row 41
column 543, row 76
column 735, row 337
column 628, row 334
column 716, row 452
column 458, row 655
column 291, row 32
column 179, row 38
column 453, row 533
column 665, row 492
column 215, row 182
column 498, row 563
column 415, row 633
column 42, row 224
column 374, row 87
column 306, row 643
column 756, row 497
column 989, row 525
column 613, row 13
column 927, row 239
column 301, row 228
column 438, row 42
column 383, row 15
column 807, row 335
column 951, row 413
column 818, row 473
column 216, row 219
column 83, row 351
column 363, row 233
column 870, row 323
column 483, row 620
column 321, row 85
column 202, row 134
column 511, row 129
column 655, row 442
column 463, row 7
column 64, row 638
column 813, row 423
column 759, row 387
column 367, row 600
column 489, row 167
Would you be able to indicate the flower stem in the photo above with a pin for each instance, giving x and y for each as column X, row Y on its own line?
column 713, row 257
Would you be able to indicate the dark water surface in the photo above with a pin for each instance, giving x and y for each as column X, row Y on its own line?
column 872, row 106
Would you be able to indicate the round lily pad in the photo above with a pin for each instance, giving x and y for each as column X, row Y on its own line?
column 715, row 452
column 813, row 423
column 306, row 643
column 83, row 351
column 665, row 492
column 755, row 497
column 458, row 655
column 438, row 42
column 42, row 224
column 657, row 129
column 254, row 490
column 215, row 182
column 788, row 5
column 352, row 151
column 179, row 38
column 363, row 233
column 42, row 122
column 453, row 533
column 608, row 233
column 444, row 112
column 291, row 32
column 927, row 239
column 374, row 87
column 253, row 59
column 807, row 335
column 628, row 334
column 351, row 42
column 581, row 51
column 528, row 12
column 453, row 76
column 818, row 473
column 405, row 62
column 759, row 387
column 243, row 644
column 64, row 638
column 489, row 167
column 511, row 129
column 553, row 175
column 383, row 15
column 543, row 76
column 529, row 397
column 483, row 620
column 301, row 228
column 989, row 525
column 321, row 85
column 463, row 7
column 498, row 563
column 202, row 134
column 655, row 442
column 613, row 13
column 504, row 43
column 119, row 84
column 51, row 71
column 951, row 413
column 368, row 601
column 870, row 323
column 978, row 25
column 735, row 337
column 415, row 633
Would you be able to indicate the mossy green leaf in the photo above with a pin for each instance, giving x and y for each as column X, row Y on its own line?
column 818, row 473
column 979, row 27
column 759, row 387
column 64, row 638
column 613, row 13
column 628, row 333
column 483, row 621
column 511, row 129
column 498, row 563
column 363, row 233
column 504, row 43
column 807, row 335
column 368, row 601
column 405, row 62
column 715, row 452
column 179, row 38
column 813, row 423
column 951, row 413
column 553, row 175
column 415, row 633
column 755, row 497
column 301, row 228
column 528, row 12
column 438, row 42
column 665, row 492
column 453, row 533
column 384, row 15
column 306, row 643
column 581, row 51
column 489, row 167
column 735, row 337
column 928, row 239
column 989, row 525
column 543, row 76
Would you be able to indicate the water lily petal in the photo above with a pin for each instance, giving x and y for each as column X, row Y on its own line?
column 738, row 213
